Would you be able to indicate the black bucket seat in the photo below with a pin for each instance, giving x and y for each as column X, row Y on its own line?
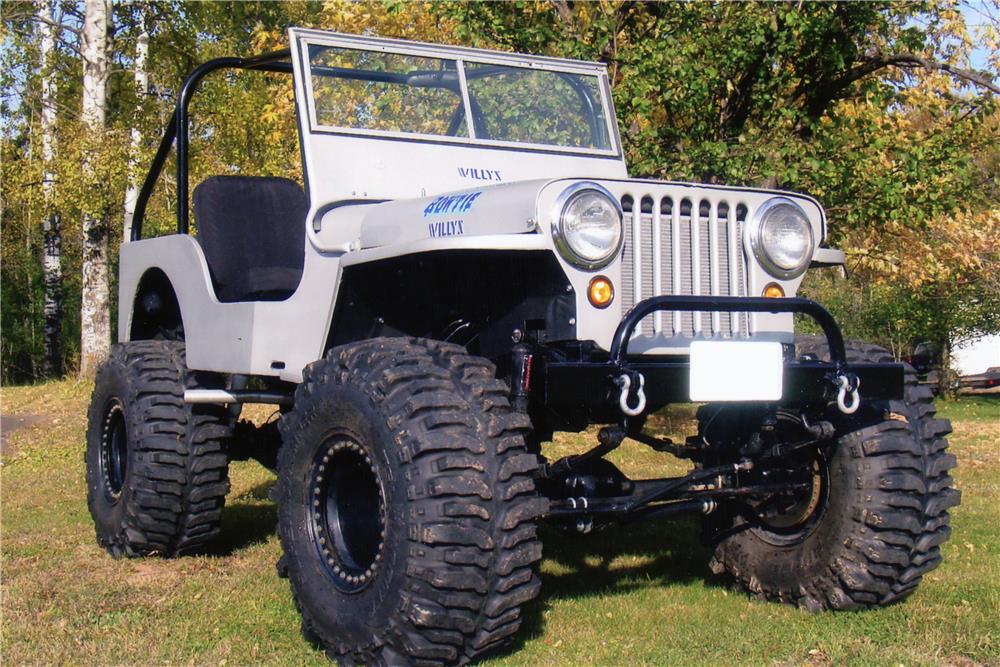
column 252, row 230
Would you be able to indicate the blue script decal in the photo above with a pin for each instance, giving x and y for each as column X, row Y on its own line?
column 445, row 228
column 451, row 204
column 480, row 174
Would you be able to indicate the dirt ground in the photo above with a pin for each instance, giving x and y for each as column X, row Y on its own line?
column 11, row 423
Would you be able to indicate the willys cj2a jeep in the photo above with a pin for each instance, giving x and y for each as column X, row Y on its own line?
column 469, row 270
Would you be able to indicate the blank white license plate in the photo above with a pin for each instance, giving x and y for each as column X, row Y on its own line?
column 735, row 371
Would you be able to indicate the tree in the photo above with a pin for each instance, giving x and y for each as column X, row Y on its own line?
column 95, row 308
column 52, row 254
column 141, row 77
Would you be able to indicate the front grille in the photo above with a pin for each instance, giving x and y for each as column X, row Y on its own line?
column 686, row 246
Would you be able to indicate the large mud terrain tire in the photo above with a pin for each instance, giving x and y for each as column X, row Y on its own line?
column 883, row 513
column 157, row 472
column 406, row 506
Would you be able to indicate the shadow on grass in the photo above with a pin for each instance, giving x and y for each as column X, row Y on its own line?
column 247, row 521
column 666, row 553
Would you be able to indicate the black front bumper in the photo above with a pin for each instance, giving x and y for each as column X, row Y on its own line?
column 567, row 384
column 588, row 382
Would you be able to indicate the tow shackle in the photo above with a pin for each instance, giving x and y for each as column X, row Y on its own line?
column 847, row 386
column 625, row 382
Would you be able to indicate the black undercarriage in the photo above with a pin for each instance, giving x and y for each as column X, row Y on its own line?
column 772, row 464
column 760, row 457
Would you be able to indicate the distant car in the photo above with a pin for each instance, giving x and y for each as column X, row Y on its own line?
column 926, row 357
column 926, row 361
column 981, row 383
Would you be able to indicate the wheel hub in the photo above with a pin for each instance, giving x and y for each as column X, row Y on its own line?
column 790, row 517
column 348, row 513
column 114, row 450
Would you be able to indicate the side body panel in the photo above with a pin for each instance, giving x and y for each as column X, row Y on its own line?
column 276, row 338
column 218, row 333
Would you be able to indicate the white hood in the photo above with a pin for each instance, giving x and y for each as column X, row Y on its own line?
column 508, row 208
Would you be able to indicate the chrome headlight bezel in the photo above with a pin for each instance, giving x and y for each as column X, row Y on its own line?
column 559, row 236
column 760, row 251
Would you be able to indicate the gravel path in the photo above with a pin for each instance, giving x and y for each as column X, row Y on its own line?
column 9, row 424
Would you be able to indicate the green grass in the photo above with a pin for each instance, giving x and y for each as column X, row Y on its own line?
column 632, row 596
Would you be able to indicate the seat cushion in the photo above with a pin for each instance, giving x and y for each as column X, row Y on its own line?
column 252, row 230
column 269, row 283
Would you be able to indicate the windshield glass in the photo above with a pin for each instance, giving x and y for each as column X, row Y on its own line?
column 370, row 90
column 534, row 106
column 380, row 92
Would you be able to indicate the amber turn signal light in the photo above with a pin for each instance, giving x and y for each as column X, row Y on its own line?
column 774, row 291
column 601, row 292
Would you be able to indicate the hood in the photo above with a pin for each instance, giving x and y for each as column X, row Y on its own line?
column 508, row 208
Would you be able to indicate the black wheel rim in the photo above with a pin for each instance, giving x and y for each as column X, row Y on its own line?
column 790, row 518
column 348, row 513
column 114, row 450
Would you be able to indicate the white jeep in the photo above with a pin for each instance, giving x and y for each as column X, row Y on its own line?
column 469, row 270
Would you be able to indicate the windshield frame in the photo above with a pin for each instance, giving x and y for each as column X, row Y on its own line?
column 461, row 56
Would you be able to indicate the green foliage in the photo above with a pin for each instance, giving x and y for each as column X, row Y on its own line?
column 802, row 97
column 21, row 345
column 798, row 96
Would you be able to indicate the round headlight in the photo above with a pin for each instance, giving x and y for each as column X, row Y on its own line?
column 587, row 225
column 782, row 238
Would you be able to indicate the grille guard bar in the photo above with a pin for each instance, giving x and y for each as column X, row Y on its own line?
column 725, row 304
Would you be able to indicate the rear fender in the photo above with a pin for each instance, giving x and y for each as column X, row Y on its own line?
column 217, row 335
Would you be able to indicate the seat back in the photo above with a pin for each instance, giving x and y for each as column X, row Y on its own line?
column 252, row 230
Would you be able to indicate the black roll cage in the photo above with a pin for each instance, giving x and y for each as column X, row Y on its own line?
column 280, row 62
column 177, row 128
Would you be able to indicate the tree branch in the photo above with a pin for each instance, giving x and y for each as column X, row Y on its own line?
column 820, row 94
column 35, row 18
column 913, row 61
column 565, row 13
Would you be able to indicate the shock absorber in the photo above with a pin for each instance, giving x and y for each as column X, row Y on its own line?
column 520, row 375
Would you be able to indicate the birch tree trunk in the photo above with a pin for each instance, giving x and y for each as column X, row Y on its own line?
column 95, row 306
column 52, row 253
column 141, row 78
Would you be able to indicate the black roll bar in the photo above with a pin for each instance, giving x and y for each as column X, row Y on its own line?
column 177, row 129
column 727, row 304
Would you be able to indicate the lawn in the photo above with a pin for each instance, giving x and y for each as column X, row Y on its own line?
column 641, row 595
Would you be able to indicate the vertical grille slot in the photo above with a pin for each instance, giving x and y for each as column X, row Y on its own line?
column 628, row 256
column 666, row 286
column 723, row 260
column 741, row 268
column 645, row 243
column 686, row 265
